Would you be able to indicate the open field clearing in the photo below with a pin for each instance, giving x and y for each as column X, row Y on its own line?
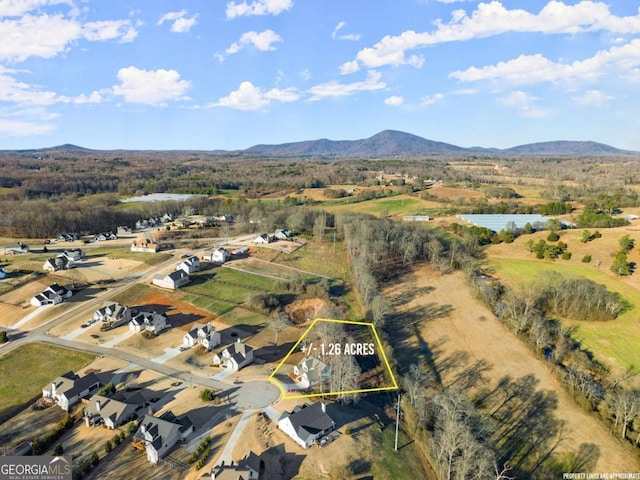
column 399, row 204
column 453, row 193
column 615, row 342
column 28, row 368
column 123, row 252
column 455, row 332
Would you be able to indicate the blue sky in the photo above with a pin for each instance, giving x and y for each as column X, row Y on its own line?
column 211, row 74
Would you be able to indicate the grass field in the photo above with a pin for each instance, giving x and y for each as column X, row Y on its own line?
column 321, row 258
column 400, row 204
column 124, row 252
column 616, row 343
column 28, row 368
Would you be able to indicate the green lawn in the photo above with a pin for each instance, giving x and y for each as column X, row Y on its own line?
column 615, row 343
column 392, row 465
column 30, row 367
column 320, row 258
column 398, row 204
column 240, row 315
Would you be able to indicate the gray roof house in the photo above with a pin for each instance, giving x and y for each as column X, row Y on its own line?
column 246, row 469
column 111, row 412
column 235, row 356
column 160, row 434
column 60, row 262
column 311, row 371
column 189, row 265
column 204, row 335
column 68, row 389
column 306, row 423
column 172, row 281
column 114, row 313
column 151, row 321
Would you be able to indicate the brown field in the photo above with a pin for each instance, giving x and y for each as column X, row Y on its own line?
column 470, row 334
column 453, row 193
column 22, row 295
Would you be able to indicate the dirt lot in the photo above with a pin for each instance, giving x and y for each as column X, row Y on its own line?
column 470, row 333
column 452, row 193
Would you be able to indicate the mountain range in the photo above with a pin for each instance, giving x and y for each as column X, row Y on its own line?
column 390, row 143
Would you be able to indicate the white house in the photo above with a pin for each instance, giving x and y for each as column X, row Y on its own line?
column 173, row 280
column 160, row 434
column 114, row 313
column 306, row 423
column 54, row 264
column 151, row 321
column 3, row 273
column 264, row 238
column 189, row 265
column 311, row 371
column 282, row 234
column 52, row 295
column 246, row 469
column 235, row 357
column 204, row 335
column 73, row 256
column 219, row 255
column 68, row 389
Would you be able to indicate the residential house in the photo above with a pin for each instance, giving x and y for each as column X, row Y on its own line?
column 149, row 321
column 225, row 218
column 57, row 263
column 123, row 229
column 282, row 234
column 3, row 273
column 173, row 280
column 167, row 217
column 145, row 243
column 114, row 313
column 235, row 357
column 52, row 295
column 68, row 237
column 219, row 255
column 189, row 265
column 99, row 237
column 204, row 335
column 160, row 434
column 241, row 252
column 262, row 239
column 72, row 256
column 311, row 371
column 307, row 423
column 112, row 412
column 246, row 469
column 68, row 389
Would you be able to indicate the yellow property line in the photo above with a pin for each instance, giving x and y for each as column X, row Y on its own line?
column 366, row 390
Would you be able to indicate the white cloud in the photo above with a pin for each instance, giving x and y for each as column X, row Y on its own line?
column 109, row 29
column 431, row 99
column 492, row 18
column 335, row 89
column 181, row 23
column 592, row 98
column 250, row 97
column 532, row 69
column 350, row 36
column 150, row 87
column 524, row 103
column 349, row 67
column 258, row 7
column 17, row 8
column 394, row 101
column 263, row 41
column 46, row 36
column 20, row 128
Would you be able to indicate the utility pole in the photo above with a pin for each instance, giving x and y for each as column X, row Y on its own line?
column 397, row 421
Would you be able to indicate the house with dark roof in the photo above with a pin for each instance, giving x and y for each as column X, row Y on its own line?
column 282, row 234
column 52, row 295
column 264, row 238
column 149, row 321
column 172, row 281
column 219, row 255
column 60, row 262
column 307, row 423
column 311, row 371
column 205, row 335
column 236, row 356
column 73, row 256
column 68, row 389
column 114, row 313
column 160, row 434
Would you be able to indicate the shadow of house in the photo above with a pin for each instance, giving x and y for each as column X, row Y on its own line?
column 280, row 464
column 182, row 319
column 240, row 331
column 268, row 354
